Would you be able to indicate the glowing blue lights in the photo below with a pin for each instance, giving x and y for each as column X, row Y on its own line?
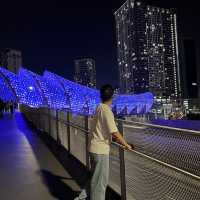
column 133, row 104
column 6, row 94
column 56, row 92
column 32, row 93
column 15, row 83
column 57, row 97
column 31, row 88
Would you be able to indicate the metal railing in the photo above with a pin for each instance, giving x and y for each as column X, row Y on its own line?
column 165, row 164
column 178, row 147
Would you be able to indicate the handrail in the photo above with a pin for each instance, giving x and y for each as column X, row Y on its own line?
column 74, row 126
column 159, row 126
column 126, row 186
column 160, row 162
column 135, row 151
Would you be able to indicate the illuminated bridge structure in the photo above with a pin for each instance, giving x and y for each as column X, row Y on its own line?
column 164, row 164
column 56, row 92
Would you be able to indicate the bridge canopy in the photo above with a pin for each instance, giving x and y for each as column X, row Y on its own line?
column 53, row 91
column 6, row 93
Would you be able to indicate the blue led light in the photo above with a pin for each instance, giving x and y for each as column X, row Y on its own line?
column 6, row 94
column 82, row 99
column 33, row 96
column 56, row 92
column 31, row 88
column 16, row 84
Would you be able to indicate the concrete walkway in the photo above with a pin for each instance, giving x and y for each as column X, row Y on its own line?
column 28, row 170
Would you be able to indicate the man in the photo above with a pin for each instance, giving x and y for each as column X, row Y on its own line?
column 103, row 128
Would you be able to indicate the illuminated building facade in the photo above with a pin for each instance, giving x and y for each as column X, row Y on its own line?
column 11, row 59
column 147, row 49
column 85, row 72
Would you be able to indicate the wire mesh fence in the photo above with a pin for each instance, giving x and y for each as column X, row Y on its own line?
column 165, row 165
column 177, row 147
column 150, row 180
column 114, row 180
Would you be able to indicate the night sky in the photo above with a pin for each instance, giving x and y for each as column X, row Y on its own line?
column 51, row 34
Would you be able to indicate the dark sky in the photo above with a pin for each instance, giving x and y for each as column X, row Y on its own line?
column 51, row 34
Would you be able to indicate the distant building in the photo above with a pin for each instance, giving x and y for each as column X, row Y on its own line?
column 190, row 71
column 85, row 72
column 147, row 49
column 11, row 59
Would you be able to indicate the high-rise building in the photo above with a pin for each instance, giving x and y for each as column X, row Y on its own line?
column 147, row 49
column 11, row 59
column 85, row 72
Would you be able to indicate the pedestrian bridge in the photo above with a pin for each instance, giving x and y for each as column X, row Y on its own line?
column 44, row 156
column 28, row 169
column 44, row 146
column 34, row 167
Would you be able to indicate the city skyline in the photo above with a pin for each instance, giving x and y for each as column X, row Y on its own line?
column 51, row 36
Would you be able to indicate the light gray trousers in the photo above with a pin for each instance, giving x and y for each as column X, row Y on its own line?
column 100, row 176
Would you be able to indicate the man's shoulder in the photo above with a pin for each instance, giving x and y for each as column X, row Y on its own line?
column 105, row 109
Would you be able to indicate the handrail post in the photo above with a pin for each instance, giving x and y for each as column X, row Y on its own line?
column 39, row 118
column 122, row 165
column 87, row 142
column 68, row 131
column 57, row 128
column 49, row 116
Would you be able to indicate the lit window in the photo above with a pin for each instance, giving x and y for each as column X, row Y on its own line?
column 194, row 84
column 132, row 4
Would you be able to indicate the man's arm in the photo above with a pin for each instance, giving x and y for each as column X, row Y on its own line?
column 119, row 138
column 113, row 130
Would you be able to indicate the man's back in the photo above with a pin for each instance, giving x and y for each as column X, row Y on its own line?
column 102, row 127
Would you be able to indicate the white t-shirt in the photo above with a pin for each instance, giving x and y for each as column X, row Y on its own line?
column 103, row 125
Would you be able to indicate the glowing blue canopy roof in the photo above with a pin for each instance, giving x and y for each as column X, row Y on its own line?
column 51, row 90
column 6, row 93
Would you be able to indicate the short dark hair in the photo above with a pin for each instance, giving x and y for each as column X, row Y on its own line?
column 106, row 92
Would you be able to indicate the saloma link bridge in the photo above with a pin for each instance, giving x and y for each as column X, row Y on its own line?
column 165, row 164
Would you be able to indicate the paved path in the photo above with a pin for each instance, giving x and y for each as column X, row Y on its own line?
column 28, row 170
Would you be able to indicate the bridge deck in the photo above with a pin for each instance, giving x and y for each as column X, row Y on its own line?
column 28, row 170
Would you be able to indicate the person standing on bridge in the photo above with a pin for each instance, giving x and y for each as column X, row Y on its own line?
column 103, row 129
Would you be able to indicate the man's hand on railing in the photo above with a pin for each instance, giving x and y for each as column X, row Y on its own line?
column 117, row 137
column 128, row 147
column 132, row 146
